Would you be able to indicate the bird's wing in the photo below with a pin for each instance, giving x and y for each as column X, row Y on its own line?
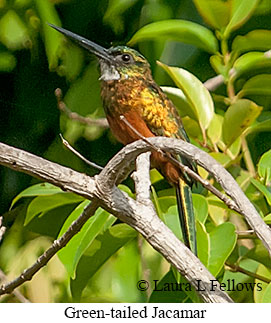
column 162, row 118
column 160, row 114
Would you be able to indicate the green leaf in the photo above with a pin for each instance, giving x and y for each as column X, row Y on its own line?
column 267, row 219
column 222, row 158
column 258, row 127
column 22, row 3
column 37, row 190
column 215, row 247
column 239, row 278
column 178, row 30
column 7, row 62
column 235, row 148
column 13, row 32
column 171, row 219
column 52, row 38
column 259, row 39
column 126, row 189
column 263, row 294
column 215, row 12
column 157, row 204
column 51, row 222
column 161, row 296
column 217, row 210
column 250, row 62
column 71, row 62
column 219, row 66
column 267, row 294
column 239, row 116
column 263, row 189
column 260, row 254
column 200, row 207
column 243, row 180
column 155, row 176
column 264, row 167
column 170, row 192
column 180, row 101
column 114, row 13
column 73, row 251
column 214, row 131
column 125, row 272
column 102, row 248
column 84, row 91
column 197, row 95
column 259, row 84
column 44, row 203
column 241, row 11
column 263, row 8
column 191, row 127
column 165, row 202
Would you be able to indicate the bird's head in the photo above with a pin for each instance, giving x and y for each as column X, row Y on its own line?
column 116, row 63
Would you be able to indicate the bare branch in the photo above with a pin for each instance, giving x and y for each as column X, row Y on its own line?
column 101, row 122
column 236, row 268
column 213, row 83
column 16, row 293
column 74, row 151
column 58, row 244
column 63, row 177
column 141, row 217
column 141, row 178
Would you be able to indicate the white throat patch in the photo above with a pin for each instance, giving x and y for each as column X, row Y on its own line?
column 108, row 72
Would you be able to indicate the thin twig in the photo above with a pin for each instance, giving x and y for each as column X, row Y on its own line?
column 230, row 203
column 101, row 122
column 236, row 268
column 247, row 234
column 16, row 293
column 244, row 232
column 66, row 144
column 213, row 83
column 58, row 244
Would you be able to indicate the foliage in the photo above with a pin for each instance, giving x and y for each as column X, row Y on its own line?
column 232, row 123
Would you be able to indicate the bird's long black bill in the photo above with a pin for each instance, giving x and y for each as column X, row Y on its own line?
column 83, row 42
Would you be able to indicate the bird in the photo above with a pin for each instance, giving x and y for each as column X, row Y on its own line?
column 132, row 100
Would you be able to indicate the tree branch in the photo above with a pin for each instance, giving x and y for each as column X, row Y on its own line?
column 141, row 178
column 101, row 122
column 58, row 244
column 16, row 293
column 140, row 216
column 213, row 83
column 235, row 268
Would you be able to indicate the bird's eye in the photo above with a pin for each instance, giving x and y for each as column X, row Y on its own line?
column 126, row 58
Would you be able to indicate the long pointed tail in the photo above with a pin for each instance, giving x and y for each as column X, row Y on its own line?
column 186, row 215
